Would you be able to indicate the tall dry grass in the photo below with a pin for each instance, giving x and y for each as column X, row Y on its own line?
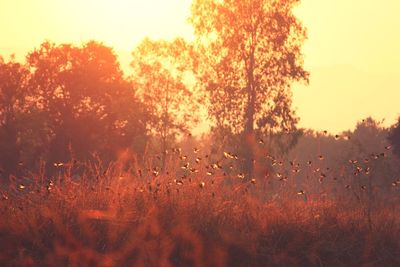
column 120, row 216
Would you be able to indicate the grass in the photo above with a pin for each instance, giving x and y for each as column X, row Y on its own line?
column 115, row 217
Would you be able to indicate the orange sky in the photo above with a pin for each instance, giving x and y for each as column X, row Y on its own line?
column 353, row 50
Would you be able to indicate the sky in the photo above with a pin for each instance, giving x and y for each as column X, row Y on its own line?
column 352, row 51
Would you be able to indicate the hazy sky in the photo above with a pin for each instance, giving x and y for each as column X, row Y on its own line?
column 353, row 50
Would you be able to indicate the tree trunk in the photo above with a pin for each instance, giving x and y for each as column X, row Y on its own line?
column 165, row 128
column 249, row 126
column 163, row 153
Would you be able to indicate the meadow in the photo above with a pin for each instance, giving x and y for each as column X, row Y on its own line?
column 193, row 213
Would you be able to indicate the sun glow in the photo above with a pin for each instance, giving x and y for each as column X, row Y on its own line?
column 351, row 51
column 121, row 24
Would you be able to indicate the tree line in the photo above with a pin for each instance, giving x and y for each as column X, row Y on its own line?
column 73, row 102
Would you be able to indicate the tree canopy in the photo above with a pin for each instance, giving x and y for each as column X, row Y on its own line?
column 249, row 55
column 13, row 94
column 161, row 77
column 88, row 105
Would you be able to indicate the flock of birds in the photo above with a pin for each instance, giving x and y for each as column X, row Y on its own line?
column 227, row 166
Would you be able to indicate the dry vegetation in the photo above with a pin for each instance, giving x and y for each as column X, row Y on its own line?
column 253, row 191
column 124, row 216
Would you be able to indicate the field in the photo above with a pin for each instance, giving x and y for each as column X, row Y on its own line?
column 121, row 215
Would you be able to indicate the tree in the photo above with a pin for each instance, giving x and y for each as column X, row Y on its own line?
column 250, row 53
column 394, row 137
column 370, row 140
column 161, row 71
column 89, row 106
column 13, row 93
